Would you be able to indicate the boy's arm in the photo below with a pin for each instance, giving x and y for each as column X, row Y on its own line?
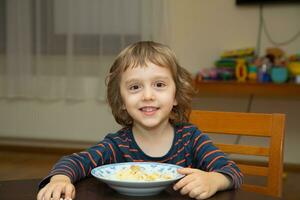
column 201, row 184
column 209, row 158
column 224, row 182
column 79, row 165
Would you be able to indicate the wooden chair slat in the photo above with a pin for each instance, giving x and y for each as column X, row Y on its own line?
column 233, row 123
column 256, row 188
column 243, row 149
column 254, row 170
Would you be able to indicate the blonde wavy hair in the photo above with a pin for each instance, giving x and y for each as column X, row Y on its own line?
column 138, row 55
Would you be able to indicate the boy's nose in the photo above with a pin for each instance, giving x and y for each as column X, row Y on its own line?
column 148, row 94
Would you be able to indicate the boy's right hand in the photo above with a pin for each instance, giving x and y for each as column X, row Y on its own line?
column 58, row 185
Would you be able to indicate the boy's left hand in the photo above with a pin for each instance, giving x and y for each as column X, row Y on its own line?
column 199, row 184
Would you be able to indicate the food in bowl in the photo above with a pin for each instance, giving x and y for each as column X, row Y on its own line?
column 138, row 178
column 137, row 173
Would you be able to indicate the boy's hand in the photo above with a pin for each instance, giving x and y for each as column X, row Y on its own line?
column 58, row 185
column 200, row 184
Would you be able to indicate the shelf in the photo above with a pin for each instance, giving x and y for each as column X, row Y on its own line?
column 234, row 88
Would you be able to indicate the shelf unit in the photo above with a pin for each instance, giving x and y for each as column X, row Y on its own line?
column 234, row 88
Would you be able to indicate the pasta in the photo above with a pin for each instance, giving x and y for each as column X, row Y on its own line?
column 136, row 173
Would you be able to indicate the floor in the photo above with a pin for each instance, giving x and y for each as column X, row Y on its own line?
column 28, row 165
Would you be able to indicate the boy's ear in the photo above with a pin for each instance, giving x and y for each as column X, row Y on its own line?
column 123, row 107
column 175, row 102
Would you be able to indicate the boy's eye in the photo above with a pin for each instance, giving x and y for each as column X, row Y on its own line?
column 134, row 87
column 160, row 84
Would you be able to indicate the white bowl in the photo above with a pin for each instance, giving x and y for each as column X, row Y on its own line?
column 107, row 174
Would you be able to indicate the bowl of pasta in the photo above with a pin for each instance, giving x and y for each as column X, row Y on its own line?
column 138, row 178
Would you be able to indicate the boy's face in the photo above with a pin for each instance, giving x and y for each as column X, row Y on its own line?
column 148, row 94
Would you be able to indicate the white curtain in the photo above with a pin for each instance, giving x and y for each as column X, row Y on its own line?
column 62, row 49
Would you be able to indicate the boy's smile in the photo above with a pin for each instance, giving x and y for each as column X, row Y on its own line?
column 149, row 110
column 148, row 93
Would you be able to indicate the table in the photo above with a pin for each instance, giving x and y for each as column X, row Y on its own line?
column 92, row 189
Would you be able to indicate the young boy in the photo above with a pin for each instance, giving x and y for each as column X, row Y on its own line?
column 150, row 96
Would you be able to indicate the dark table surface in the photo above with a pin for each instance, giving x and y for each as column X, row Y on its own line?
column 92, row 189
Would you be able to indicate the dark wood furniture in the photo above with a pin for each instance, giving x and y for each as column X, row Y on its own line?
column 92, row 189
column 255, row 125
column 234, row 88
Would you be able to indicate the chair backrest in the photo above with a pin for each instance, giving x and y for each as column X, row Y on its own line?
column 250, row 124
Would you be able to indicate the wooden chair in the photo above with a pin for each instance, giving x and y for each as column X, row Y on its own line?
column 250, row 124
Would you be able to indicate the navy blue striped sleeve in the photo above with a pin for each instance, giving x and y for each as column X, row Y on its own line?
column 79, row 165
column 209, row 158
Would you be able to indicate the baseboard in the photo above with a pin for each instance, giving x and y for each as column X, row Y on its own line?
column 43, row 145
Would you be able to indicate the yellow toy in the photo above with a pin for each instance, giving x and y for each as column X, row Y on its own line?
column 241, row 70
column 238, row 53
column 294, row 68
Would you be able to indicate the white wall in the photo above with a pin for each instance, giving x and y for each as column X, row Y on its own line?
column 82, row 121
column 200, row 31
column 203, row 29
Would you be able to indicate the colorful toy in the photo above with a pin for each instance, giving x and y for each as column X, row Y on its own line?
column 241, row 70
column 294, row 68
column 252, row 73
column 276, row 52
column 263, row 73
column 279, row 74
column 207, row 74
column 226, row 62
column 238, row 53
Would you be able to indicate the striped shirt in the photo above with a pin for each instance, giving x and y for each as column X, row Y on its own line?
column 190, row 148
